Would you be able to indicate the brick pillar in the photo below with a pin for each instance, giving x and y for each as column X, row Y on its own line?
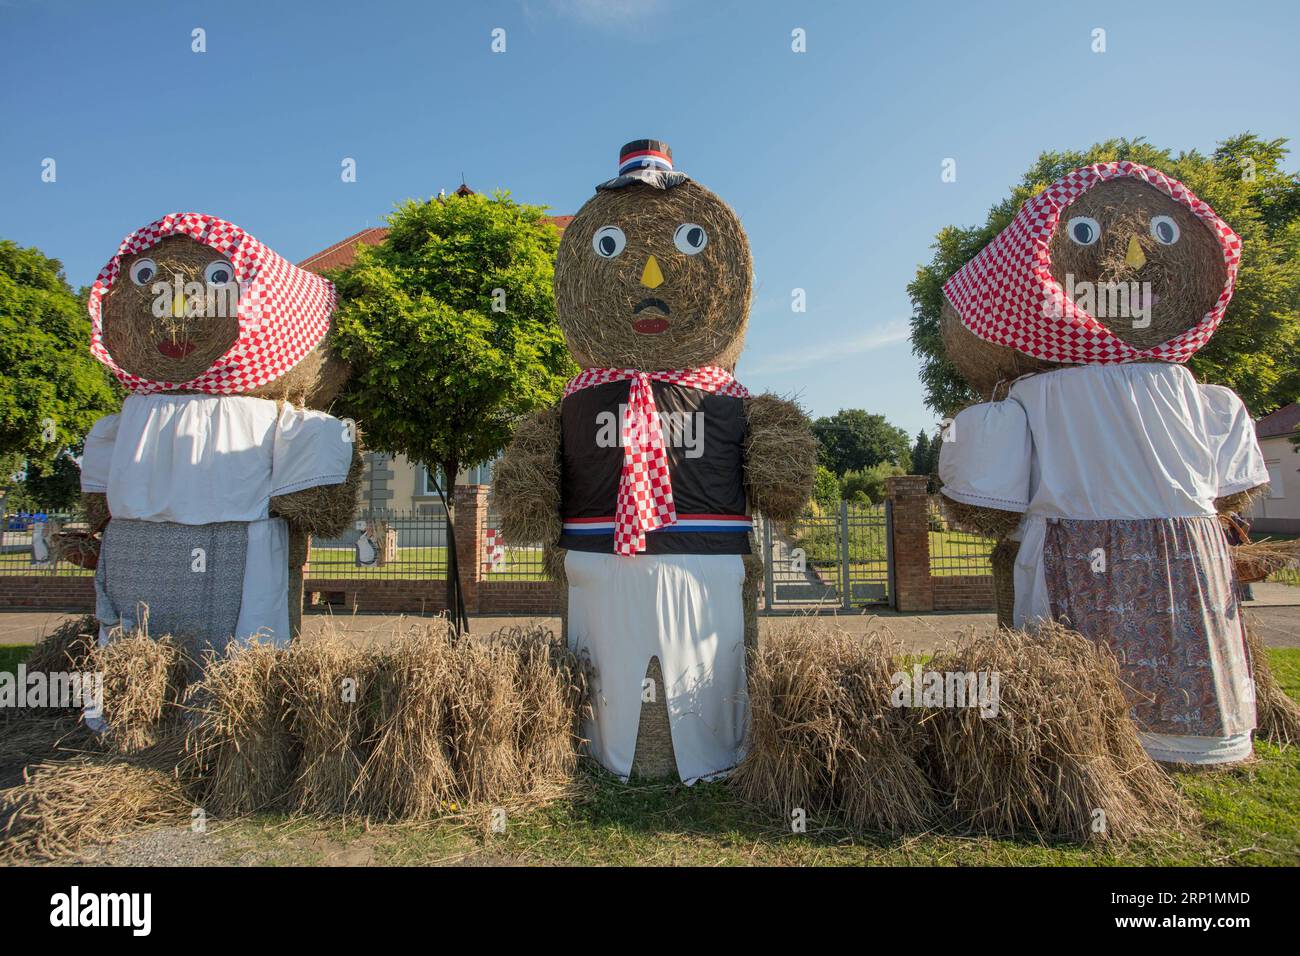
column 909, row 503
column 471, row 503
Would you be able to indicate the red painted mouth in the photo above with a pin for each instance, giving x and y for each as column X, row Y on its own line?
column 176, row 350
column 650, row 326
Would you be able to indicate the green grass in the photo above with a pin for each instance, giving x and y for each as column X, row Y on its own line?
column 521, row 564
column 1250, row 816
column 11, row 655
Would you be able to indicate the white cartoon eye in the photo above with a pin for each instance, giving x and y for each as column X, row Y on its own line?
column 220, row 272
column 143, row 271
column 690, row 238
column 608, row 241
column 1164, row 230
column 1083, row 230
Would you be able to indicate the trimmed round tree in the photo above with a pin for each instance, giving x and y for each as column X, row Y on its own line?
column 449, row 325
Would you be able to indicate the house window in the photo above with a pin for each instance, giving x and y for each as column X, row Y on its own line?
column 1276, row 487
column 480, row 475
column 428, row 484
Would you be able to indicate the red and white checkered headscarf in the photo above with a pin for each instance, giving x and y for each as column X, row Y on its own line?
column 645, row 488
column 1006, row 294
column 284, row 311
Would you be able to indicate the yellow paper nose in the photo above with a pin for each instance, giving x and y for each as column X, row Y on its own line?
column 1135, row 258
column 651, row 277
column 178, row 307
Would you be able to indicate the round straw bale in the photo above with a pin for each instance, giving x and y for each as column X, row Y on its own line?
column 984, row 365
column 707, row 294
column 1186, row 278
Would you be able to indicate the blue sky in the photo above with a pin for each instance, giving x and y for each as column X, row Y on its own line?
column 832, row 157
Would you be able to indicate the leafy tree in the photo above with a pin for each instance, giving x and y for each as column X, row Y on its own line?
column 450, row 327
column 51, row 388
column 851, row 440
column 925, row 456
column 921, row 464
column 1254, row 351
column 47, row 486
column 867, row 485
column 826, row 489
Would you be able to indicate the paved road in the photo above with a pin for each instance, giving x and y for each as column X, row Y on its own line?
column 1275, row 611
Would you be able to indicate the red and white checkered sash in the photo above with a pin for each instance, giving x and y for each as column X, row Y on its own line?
column 645, row 488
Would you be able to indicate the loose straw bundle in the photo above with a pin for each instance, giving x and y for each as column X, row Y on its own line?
column 824, row 737
column 408, row 771
column 240, row 754
column 1061, row 759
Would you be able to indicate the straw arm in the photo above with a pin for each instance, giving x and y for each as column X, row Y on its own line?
column 95, row 505
column 780, row 457
column 325, row 510
column 526, row 481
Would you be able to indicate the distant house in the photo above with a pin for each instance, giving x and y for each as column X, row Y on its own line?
column 1278, row 512
column 392, row 481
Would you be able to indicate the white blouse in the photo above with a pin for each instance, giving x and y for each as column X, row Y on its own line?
column 198, row 459
column 1103, row 441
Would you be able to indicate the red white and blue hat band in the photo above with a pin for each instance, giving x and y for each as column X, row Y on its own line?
column 644, row 159
column 684, row 522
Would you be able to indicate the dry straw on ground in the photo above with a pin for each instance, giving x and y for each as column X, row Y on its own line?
column 64, row 805
column 408, row 773
column 324, row 683
column 144, row 684
column 422, row 727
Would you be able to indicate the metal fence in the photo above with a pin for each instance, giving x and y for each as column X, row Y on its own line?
column 840, row 557
column 502, row 563
column 956, row 552
column 16, row 556
column 414, row 545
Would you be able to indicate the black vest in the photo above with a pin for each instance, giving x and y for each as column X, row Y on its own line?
column 704, row 436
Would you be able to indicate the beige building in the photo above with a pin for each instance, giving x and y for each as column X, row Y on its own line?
column 392, row 482
column 1278, row 512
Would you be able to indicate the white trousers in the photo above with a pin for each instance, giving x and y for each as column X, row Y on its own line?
column 685, row 609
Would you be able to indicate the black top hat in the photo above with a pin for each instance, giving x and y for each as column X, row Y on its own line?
column 648, row 161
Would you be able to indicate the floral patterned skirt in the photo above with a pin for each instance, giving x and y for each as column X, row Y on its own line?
column 1161, row 593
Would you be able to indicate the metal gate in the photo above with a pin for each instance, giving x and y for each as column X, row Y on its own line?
column 839, row 559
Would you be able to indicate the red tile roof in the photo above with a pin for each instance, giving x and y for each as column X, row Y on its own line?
column 1284, row 421
column 342, row 253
